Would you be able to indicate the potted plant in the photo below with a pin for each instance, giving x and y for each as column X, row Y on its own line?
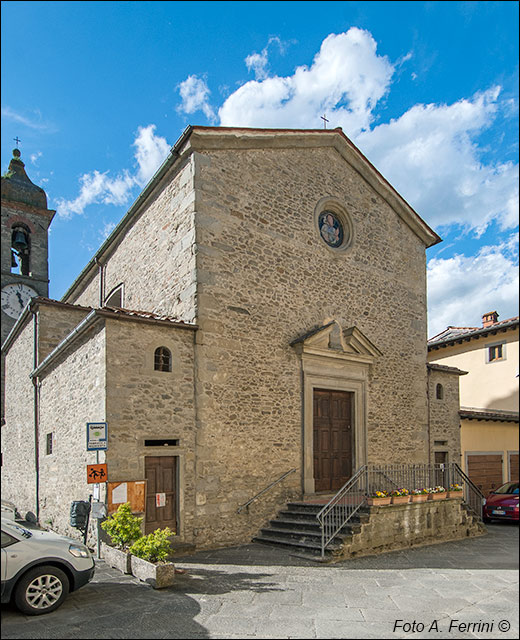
column 123, row 528
column 148, row 559
column 437, row 493
column 455, row 491
column 400, row 496
column 419, row 495
column 379, row 498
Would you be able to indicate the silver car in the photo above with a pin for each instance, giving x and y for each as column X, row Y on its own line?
column 40, row 568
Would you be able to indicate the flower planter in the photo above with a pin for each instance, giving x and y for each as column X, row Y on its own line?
column 159, row 575
column 400, row 499
column 420, row 497
column 379, row 502
column 455, row 494
column 437, row 496
column 116, row 558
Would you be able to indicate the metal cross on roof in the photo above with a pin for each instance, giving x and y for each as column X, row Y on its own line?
column 324, row 121
column 17, row 140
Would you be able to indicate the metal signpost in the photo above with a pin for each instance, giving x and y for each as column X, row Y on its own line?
column 97, row 440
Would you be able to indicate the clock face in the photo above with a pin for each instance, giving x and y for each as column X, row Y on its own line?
column 15, row 297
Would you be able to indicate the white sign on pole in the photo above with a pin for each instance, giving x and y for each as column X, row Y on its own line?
column 97, row 436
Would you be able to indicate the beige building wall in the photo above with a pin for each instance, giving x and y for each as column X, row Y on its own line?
column 72, row 394
column 146, row 404
column 155, row 258
column 18, row 439
column 265, row 278
column 488, row 385
column 444, row 415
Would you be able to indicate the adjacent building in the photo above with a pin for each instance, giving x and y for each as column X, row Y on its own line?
column 488, row 396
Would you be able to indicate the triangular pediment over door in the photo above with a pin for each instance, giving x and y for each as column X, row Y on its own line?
column 336, row 359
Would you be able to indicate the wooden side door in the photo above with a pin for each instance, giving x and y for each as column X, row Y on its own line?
column 333, row 439
column 161, row 477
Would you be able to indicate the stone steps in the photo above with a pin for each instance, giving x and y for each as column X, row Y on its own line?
column 296, row 527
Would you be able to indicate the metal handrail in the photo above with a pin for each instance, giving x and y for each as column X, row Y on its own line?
column 339, row 510
column 471, row 487
column 370, row 478
column 246, row 504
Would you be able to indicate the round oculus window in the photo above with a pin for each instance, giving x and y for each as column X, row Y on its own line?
column 331, row 229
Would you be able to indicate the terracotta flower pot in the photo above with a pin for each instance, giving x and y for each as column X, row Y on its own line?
column 420, row 497
column 437, row 496
column 400, row 499
column 379, row 502
column 455, row 494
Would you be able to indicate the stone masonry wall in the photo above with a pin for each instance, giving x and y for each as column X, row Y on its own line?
column 146, row 404
column 265, row 278
column 72, row 394
column 18, row 453
column 408, row 525
column 444, row 415
column 155, row 259
column 54, row 324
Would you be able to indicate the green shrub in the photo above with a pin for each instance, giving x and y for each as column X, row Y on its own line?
column 154, row 547
column 122, row 526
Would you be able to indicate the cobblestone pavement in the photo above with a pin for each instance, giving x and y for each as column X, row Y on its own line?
column 254, row 591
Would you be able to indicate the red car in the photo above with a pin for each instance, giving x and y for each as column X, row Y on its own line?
column 502, row 504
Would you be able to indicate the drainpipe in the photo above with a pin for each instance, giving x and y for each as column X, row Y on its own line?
column 36, row 409
column 101, row 268
column 429, row 414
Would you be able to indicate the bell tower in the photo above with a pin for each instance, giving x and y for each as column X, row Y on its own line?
column 25, row 224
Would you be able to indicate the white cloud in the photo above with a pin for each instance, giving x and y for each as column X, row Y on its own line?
column 98, row 187
column 346, row 77
column 33, row 121
column 107, row 229
column 151, row 151
column 430, row 155
column 462, row 288
column 195, row 93
column 35, row 156
column 258, row 62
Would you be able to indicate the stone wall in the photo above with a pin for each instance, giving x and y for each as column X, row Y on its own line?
column 18, row 451
column 55, row 322
column 72, row 393
column 146, row 404
column 444, row 415
column 408, row 525
column 155, row 259
column 265, row 278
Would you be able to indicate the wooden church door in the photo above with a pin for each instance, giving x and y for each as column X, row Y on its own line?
column 333, row 439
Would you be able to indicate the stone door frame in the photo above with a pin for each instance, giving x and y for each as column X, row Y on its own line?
column 318, row 373
column 337, row 359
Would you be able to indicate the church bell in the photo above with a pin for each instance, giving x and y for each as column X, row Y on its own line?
column 20, row 240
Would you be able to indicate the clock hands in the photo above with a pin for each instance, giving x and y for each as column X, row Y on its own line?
column 20, row 299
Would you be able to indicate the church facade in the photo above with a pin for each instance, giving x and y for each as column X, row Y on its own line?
column 260, row 309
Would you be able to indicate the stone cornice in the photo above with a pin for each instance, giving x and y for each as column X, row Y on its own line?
column 28, row 208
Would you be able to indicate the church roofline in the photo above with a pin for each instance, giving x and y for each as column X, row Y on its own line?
column 104, row 312
column 203, row 137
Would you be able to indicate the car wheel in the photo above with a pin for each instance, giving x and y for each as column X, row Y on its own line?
column 41, row 590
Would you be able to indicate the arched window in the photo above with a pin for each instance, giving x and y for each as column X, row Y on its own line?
column 20, row 250
column 115, row 297
column 439, row 392
column 162, row 359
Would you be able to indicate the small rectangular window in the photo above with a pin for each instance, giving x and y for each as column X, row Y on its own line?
column 161, row 443
column 495, row 353
column 49, row 443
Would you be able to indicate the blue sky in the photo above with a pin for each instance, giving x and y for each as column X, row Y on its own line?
column 98, row 92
